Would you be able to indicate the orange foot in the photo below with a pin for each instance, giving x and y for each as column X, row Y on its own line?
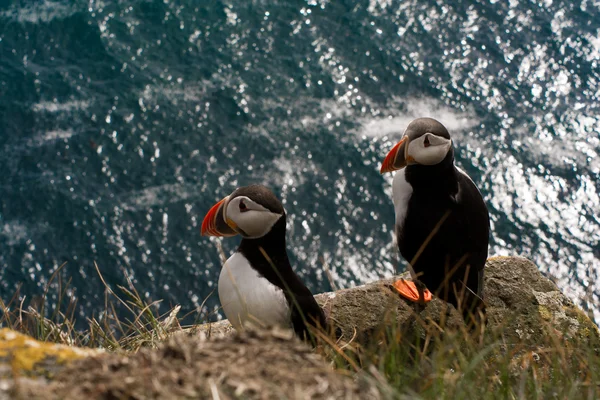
column 408, row 290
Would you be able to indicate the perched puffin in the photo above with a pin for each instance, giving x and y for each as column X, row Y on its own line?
column 442, row 222
column 257, row 283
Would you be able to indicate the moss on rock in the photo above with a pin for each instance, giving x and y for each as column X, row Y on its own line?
column 22, row 355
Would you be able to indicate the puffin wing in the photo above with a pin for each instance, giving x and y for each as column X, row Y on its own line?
column 305, row 311
column 304, row 308
column 474, row 222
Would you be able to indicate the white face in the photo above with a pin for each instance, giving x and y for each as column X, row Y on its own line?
column 428, row 149
column 251, row 219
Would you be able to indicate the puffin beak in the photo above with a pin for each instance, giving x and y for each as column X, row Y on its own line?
column 396, row 158
column 214, row 223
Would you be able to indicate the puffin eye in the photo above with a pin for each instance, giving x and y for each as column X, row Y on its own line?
column 426, row 142
column 243, row 207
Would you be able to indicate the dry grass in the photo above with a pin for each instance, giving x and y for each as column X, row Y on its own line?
column 438, row 364
column 259, row 364
column 445, row 364
column 127, row 323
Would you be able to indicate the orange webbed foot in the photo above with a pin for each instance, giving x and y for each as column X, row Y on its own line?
column 410, row 291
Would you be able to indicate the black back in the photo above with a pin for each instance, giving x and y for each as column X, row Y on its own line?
column 278, row 271
column 456, row 254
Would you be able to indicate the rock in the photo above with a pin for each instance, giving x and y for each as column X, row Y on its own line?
column 25, row 356
column 32, row 361
column 528, row 317
column 213, row 329
column 252, row 365
column 519, row 298
column 528, row 306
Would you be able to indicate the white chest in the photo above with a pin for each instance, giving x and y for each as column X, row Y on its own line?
column 247, row 296
column 401, row 192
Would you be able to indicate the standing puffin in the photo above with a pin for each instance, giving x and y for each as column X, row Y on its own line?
column 442, row 222
column 257, row 283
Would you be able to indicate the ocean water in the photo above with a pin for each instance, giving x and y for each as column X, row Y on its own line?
column 121, row 123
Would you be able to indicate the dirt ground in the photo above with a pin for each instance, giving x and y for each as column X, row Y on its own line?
column 525, row 307
column 254, row 365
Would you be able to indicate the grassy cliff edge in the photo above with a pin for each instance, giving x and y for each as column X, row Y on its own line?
column 537, row 344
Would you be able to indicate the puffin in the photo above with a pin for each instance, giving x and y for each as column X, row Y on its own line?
column 442, row 223
column 257, row 283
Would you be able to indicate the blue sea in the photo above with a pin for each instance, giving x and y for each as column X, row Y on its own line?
column 122, row 122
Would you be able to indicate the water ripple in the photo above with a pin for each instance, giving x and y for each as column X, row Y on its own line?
column 126, row 121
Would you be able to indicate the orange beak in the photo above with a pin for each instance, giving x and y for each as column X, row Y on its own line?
column 214, row 223
column 396, row 158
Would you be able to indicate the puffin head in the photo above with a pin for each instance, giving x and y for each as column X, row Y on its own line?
column 250, row 211
column 425, row 142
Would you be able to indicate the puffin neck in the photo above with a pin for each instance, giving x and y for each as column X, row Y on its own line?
column 438, row 177
column 274, row 245
column 274, row 239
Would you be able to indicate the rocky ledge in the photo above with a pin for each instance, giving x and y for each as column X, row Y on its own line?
column 526, row 307
column 519, row 298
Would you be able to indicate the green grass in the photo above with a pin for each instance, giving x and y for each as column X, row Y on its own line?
column 459, row 365
column 438, row 364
